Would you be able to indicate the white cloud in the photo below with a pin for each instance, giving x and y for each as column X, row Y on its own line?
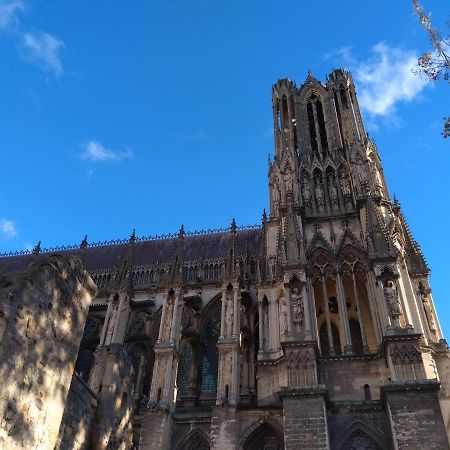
column 8, row 228
column 43, row 48
column 38, row 47
column 94, row 151
column 384, row 79
column 8, row 12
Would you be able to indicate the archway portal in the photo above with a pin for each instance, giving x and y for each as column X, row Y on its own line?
column 265, row 437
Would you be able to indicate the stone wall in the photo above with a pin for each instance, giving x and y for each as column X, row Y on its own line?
column 305, row 420
column 78, row 416
column 43, row 312
column 415, row 415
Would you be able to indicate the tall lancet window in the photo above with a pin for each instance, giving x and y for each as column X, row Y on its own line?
column 316, row 124
column 211, row 357
column 294, row 122
column 285, row 110
column 312, row 127
column 322, row 129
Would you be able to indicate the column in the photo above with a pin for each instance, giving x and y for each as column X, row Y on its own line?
column 288, row 308
column 222, row 315
column 237, row 312
column 312, row 304
column 260, row 324
column 307, row 320
column 327, row 316
column 274, row 331
column 176, row 308
column 360, row 316
column 348, row 348
column 376, row 320
column 163, row 318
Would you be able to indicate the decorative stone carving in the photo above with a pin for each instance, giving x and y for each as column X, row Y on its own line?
column 333, row 193
column 318, row 191
column 288, row 180
column 297, row 308
column 168, row 319
column 276, row 196
column 306, row 192
column 391, row 296
column 345, row 185
column 429, row 312
column 229, row 310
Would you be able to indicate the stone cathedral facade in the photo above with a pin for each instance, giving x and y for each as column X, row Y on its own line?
column 314, row 330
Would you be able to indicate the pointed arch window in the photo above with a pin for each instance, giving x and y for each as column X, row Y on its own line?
column 185, row 370
column 322, row 128
column 211, row 356
column 312, row 127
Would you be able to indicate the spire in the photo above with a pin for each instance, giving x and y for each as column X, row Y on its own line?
column 37, row 248
column 233, row 226
column 181, row 233
column 132, row 239
column 264, row 216
column 84, row 242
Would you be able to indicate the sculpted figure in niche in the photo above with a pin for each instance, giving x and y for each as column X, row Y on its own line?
column 276, row 196
column 297, row 307
column 168, row 319
column 428, row 312
column 391, row 296
column 306, row 192
column 318, row 190
column 229, row 310
column 332, row 190
column 288, row 180
column 345, row 185
column 283, row 317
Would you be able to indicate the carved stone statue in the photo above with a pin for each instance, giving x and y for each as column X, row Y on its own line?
column 318, row 190
column 168, row 319
column 306, row 192
column 429, row 312
column 332, row 191
column 276, row 196
column 345, row 185
column 288, row 180
column 229, row 311
column 297, row 307
column 391, row 296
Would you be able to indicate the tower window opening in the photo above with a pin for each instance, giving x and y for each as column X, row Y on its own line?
column 322, row 128
column 294, row 122
column 343, row 97
column 339, row 118
column 284, row 106
column 312, row 127
column 367, row 393
column 355, row 120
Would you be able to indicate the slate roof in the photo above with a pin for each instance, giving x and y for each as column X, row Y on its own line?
column 197, row 247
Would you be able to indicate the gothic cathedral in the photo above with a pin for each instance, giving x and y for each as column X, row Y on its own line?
column 313, row 330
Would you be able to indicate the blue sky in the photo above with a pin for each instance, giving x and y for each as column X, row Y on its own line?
column 119, row 115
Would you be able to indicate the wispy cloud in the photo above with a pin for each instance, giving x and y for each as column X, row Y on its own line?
column 199, row 135
column 94, row 151
column 38, row 47
column 8, row 228
column 43, row 49
column 384, row 79
column 8, row 13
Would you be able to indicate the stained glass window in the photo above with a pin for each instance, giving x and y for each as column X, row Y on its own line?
column 211, row 357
